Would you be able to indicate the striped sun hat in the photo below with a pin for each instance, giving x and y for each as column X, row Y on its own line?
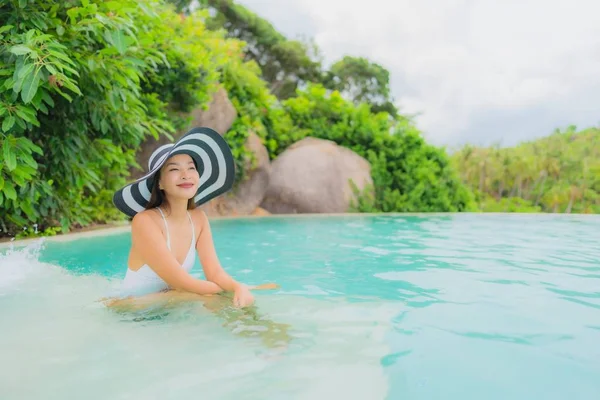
column 213, row 158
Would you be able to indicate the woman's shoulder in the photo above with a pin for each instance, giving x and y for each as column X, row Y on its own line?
column 144, row 219
column 199, row 217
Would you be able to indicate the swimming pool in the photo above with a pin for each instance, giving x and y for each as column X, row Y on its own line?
column 462, row 306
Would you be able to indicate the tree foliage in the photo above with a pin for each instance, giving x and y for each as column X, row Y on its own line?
column 363, row 82
column 82, row 83
column 284, row 64
column 409, row 174
column 288, row 65
column 558, row 173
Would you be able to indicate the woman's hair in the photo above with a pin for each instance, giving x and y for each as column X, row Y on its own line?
column 157, row 197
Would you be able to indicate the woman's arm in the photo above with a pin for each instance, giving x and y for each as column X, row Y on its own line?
column 149, row 243
column 213, row 270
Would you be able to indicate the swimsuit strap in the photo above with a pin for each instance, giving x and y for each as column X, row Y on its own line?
column 167, row 228
column 193, row 230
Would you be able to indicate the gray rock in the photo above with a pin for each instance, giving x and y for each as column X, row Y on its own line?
column 313, row 176
column 219, row 116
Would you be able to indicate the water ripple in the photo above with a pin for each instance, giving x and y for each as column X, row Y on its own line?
column 469, row 305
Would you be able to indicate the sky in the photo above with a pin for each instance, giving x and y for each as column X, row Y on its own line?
column 471, row 71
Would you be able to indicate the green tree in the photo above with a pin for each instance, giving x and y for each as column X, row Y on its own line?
column 557, row 173
column 82, row 83
column 409, row 174
column 284, row 64
column 288, row 65
column 363, row 82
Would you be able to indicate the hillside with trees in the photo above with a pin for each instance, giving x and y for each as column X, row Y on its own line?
column 559, row 173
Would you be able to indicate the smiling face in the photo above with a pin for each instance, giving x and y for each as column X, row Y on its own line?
column 179, row 177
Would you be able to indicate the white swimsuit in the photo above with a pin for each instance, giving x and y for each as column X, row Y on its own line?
column 145, row 280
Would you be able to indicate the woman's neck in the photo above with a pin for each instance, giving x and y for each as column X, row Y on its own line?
column 175, row 210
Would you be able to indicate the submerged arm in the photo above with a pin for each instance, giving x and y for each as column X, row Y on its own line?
column 148, row 241
column 213, row 270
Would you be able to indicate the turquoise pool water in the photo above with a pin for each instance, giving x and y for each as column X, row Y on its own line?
column 370, row 307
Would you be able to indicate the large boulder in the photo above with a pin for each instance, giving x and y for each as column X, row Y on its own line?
column 247, row 194
column 313, row 176
column 219, row 116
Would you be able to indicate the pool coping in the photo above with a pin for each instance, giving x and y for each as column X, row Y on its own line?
column 117, row 227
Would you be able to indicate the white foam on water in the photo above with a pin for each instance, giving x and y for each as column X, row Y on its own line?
column 17, row 264
column 57, row 341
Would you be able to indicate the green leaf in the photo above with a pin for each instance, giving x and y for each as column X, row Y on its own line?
column 71, row 86
column 9, row 190
column 25, row 70
column 62, row 56
column 42, row 107
column 29, row 35
column 29, row 168
column 118, row 40
column 8, row 123
column 17, row 219
column 65, row 95
column 21, row 123
column 23, row 3
column 113, row 5
column 9, row 83
column 6, row 28
column 10, row 158
column 30, row 86
column 46, row 97
column 36, row 101
column 1, row 182
column 60, row 30
column 72, row 13
column 29, row 210
column 27, row 144
column 18, row 177
column 71, row 70
column 51, row 69
column 29, row 161
column 24, row 116
column 20, row 49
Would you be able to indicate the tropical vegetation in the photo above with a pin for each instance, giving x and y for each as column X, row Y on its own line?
column 84, row 82
column 559, row 173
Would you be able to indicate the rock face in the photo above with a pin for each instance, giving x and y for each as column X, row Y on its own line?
column 247, row 194
column 219, row 116
column 312, row 176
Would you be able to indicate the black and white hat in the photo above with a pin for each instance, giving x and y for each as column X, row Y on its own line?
column 214, row 161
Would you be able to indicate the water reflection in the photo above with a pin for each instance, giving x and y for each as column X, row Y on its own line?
column 172, row 306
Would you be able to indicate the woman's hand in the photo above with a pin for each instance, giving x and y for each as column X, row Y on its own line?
column 242, row 297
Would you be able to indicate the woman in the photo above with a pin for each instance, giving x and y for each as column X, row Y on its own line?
column 167, row 228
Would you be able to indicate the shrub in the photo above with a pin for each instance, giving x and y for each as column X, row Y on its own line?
column 81, row 85
column 409, row 175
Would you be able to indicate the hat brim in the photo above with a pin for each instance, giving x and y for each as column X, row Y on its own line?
column 214, row 161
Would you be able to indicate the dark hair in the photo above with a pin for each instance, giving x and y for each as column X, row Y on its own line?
column 157, row 198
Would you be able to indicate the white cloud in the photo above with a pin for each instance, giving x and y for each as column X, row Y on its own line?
column 471, row 67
